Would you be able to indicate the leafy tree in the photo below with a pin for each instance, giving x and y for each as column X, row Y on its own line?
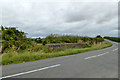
column 98, row 36
column 13, row 38
column 38, row 40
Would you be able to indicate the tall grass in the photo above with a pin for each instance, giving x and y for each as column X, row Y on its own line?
column 26, row 56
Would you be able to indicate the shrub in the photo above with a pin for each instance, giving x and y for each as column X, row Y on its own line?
column 44, row 42
column 13, row 38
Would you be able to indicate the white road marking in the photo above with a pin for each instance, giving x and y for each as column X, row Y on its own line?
column 96, row 55
column 115, row 49
column 106, row 53
column 100, row 54
column 31, row 71
column 90, row 57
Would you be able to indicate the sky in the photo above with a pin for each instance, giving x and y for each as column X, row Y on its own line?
column 40, row 19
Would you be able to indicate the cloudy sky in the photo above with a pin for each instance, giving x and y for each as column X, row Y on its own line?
column 40, row 19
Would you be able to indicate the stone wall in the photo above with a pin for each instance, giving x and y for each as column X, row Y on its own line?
column 67, row 45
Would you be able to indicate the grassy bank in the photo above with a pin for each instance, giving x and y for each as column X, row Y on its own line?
column 32, row 56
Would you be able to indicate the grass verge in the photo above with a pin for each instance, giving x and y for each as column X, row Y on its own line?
column 33, row 56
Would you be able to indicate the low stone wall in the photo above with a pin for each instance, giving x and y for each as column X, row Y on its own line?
column 67, row 45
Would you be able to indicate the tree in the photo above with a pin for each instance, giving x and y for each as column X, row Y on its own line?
column 98, row 36
column 2, row 28
column 14, row 38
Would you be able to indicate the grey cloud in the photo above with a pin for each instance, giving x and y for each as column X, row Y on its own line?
column 107, row 17
column 100, row 12
column 75, row 18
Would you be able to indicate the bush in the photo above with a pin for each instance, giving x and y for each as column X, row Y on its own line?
column 44, row 42
column 13, row 38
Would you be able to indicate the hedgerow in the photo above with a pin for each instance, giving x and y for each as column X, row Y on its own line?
column 116, row 39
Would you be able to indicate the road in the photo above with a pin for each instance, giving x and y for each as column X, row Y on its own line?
column 94, row 64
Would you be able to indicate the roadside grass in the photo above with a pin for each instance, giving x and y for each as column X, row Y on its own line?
column 8, row 58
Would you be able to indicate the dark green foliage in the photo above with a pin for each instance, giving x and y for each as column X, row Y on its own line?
column 116, row 39
column 98, row 36
column 38, row 40
column 13, row 38
column 44, row 42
